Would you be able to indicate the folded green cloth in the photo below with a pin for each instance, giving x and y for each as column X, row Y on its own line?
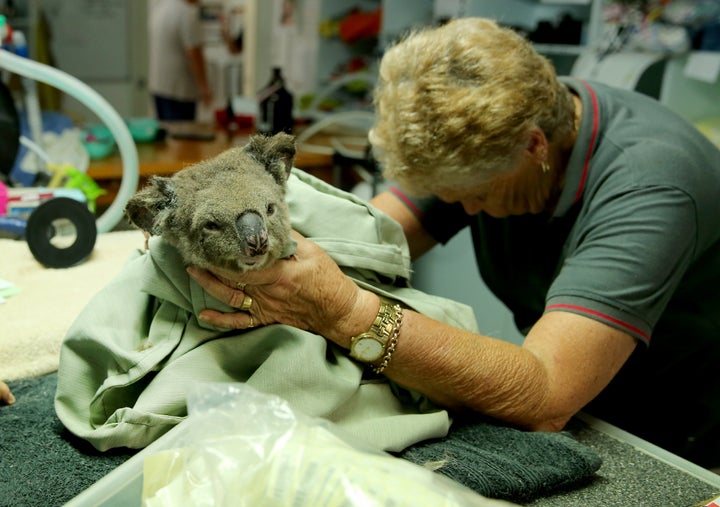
column 503, row 462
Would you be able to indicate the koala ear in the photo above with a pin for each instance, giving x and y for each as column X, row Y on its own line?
column 276, row 153
column 143, row 208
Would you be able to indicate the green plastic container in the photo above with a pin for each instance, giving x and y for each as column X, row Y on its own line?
column 98, row 141
column 142, row 130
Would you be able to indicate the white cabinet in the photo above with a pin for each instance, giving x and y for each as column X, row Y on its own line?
column 695, row 99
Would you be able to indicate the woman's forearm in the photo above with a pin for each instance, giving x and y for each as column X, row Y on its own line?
column 565, row 361
column 466, row 371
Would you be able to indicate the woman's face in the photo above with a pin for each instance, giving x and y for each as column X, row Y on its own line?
column 524, row 189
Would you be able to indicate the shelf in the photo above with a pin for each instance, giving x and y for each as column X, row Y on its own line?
column 566, row 2
column 560, row 49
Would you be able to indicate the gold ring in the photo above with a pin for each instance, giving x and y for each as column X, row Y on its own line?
column 252, row 324
column 246, row 303
column 241, row 286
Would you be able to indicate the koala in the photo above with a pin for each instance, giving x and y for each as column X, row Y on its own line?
column 226, row 212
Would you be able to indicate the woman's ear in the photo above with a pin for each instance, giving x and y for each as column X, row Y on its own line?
column 537, row 147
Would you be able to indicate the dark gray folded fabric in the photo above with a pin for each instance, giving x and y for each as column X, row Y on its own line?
column 503, row 462
column 41, row 463
column 47, row 465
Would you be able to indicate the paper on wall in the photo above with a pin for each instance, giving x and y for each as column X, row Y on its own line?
column 622, row 70
column 703, row 66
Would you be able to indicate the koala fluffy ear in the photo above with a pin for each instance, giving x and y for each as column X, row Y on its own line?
column 143, row 208
column 276, row 153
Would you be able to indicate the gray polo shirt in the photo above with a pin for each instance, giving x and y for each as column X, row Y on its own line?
column 635, row 243
column 636, row 233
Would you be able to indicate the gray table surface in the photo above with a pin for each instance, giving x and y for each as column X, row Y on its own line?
column 634, row 473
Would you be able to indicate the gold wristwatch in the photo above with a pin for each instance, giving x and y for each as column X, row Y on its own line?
column 378, row 343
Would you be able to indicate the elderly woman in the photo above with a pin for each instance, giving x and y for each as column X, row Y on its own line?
column 595, row 215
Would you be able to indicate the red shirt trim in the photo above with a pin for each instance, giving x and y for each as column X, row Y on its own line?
column 593, row 139
column 395, row 191
column 600, row 315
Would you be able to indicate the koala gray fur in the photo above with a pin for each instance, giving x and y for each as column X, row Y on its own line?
column 225, row 212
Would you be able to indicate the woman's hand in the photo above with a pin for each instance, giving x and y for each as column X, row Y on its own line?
column 307, row 291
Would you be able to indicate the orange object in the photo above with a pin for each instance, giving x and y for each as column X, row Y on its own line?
column 360, row 25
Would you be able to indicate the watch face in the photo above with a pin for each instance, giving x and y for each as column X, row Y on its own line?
column 368, row 349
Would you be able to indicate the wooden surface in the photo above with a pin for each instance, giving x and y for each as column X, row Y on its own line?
column 171, row 154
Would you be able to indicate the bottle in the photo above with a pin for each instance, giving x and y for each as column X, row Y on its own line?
column 5, row 31
column 276, row 106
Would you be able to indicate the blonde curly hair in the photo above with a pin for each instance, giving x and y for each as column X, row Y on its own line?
column 455, row 105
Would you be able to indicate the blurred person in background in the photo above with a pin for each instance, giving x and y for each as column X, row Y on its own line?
column 177, row 73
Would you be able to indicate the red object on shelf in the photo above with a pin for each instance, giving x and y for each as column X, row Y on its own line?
column 360, row 25
column 223, row 121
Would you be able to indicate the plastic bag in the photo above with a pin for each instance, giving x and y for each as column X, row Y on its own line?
column 241, row 447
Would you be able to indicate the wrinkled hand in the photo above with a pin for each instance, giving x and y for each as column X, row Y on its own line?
column 307, row 291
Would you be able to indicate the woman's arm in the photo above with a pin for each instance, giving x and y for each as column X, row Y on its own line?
column 417, row 237
column 565, row 362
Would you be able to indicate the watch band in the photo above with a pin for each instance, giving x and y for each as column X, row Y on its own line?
column 385, row 329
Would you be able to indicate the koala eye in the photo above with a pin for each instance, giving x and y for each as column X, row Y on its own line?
column 270, row 209
column 211, row 226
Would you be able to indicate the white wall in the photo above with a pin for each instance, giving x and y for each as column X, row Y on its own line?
column 258, row 44
column 103, row 43
column 695, row 99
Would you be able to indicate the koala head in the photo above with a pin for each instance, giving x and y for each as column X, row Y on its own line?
column 227, row 212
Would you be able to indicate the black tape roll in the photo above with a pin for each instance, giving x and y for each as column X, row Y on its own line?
column 45, row 224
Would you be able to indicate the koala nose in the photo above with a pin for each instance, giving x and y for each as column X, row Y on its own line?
column 253, row 234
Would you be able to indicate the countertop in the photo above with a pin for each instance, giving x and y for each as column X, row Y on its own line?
column 634, row 473
column 192, row 144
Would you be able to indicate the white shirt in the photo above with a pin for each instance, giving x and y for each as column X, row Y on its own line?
column 173, row 28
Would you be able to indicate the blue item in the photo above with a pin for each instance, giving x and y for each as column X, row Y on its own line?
column 52, row 121
column 15, row 227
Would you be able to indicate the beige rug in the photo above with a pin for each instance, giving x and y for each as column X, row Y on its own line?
column 34, row 321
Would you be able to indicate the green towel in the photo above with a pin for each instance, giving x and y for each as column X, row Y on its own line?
column 130, row 357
